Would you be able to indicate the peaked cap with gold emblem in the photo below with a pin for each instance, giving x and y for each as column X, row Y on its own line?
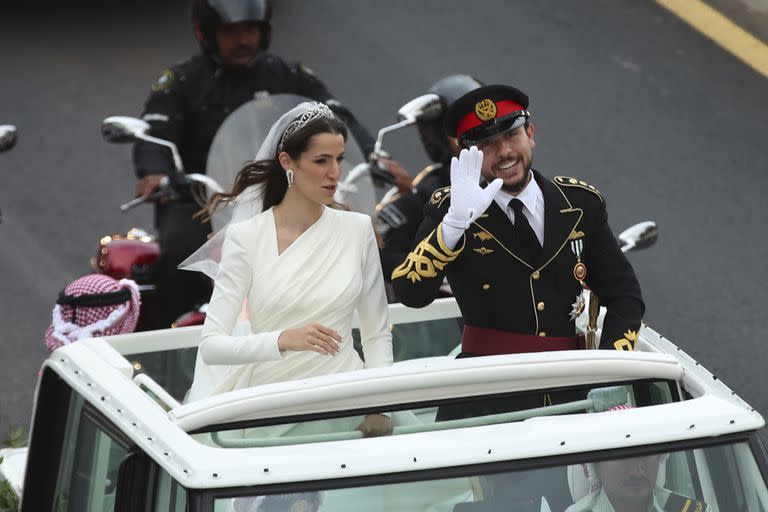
column 486, row 112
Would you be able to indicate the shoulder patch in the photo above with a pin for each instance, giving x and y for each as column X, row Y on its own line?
column 566, row 181
column 440, row 195
column 680, row 503
column 425, row 172
column 164, row 81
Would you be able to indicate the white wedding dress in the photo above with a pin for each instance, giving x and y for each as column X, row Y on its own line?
column 324, row 276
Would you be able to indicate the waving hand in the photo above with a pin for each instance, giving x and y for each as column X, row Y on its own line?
column 468, row 199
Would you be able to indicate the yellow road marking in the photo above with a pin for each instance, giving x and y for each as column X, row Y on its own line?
column 722, row 31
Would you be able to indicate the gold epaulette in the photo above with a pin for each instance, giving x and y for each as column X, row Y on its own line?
column 567, row 181
column 425, row 172
column 440, row 195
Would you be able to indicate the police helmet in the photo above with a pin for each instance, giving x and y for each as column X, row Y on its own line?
column 207, row 15
column 431, row 131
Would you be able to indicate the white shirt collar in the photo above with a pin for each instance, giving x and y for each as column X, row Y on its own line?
column 531, row 196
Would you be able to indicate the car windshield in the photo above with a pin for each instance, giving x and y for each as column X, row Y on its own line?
column 447, row 414
column 723, row 477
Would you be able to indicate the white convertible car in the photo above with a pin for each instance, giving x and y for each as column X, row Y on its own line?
column 109, row 432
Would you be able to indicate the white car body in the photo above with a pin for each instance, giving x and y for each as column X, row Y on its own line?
column 150, row 422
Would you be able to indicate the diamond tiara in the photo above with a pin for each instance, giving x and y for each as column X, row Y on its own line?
column 317, row 111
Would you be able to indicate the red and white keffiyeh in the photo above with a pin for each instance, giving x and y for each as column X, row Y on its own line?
column 91, row 306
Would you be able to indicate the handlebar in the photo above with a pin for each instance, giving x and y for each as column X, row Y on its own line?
column 173, row 186
column 380, row 175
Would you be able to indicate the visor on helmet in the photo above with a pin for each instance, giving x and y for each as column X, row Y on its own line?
column 235, row 12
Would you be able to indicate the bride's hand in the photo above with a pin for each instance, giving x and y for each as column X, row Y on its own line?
column 314, row 337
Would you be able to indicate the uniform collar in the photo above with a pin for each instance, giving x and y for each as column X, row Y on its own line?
column 603, row 503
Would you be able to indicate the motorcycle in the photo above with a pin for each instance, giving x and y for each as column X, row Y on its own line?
column 132, row 254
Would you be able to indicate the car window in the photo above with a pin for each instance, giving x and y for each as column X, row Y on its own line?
column 90, row 461
column 170, row 496
column 719, row 478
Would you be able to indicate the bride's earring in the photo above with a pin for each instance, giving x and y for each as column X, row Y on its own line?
column 289, row 177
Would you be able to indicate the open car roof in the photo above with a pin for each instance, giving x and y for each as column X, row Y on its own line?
column 164, row 429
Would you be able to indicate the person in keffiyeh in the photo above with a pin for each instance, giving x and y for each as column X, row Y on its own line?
column 91, row 306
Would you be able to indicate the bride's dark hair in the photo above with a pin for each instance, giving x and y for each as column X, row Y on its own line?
column 270, row 172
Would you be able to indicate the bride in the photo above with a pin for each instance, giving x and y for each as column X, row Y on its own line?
column 302, row 266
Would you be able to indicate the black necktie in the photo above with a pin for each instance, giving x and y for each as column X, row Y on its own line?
column 529, row 243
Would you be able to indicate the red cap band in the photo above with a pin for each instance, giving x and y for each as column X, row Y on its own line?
column 486, row 110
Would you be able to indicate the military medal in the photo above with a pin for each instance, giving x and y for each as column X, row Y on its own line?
column 580, row 269
column 579, row 273
column 578, row 306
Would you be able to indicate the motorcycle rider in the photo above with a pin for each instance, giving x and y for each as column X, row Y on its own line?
column 186, row 106
column 398, row 219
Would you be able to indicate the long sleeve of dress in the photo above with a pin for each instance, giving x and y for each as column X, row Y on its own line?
column 372, row 307
column 231, row 286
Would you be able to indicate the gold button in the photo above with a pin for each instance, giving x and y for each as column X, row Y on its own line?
column 540, row 306
column 535, row 275
column 542, row 333
column 486, row 286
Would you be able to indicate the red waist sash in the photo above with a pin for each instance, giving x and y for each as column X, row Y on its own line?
column 490, row 342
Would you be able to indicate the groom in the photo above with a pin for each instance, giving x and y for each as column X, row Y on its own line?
column 518, row 252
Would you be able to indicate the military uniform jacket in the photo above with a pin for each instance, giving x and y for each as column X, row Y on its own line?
column 495, row 288
column 398, row 220
column 189, row 102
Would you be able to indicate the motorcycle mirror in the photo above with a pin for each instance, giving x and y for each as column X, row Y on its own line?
column 121, row 129
column 639, row 236
column 7, row 137
column 423, row 106
column 417, row 108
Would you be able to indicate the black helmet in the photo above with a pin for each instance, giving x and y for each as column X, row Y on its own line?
column 433, row 138
column 209, row 14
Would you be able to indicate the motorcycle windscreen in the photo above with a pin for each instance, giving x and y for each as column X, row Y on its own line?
column 239, row 139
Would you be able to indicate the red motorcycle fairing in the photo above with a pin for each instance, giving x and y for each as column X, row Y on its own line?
column 195, row 317
column 119, row 255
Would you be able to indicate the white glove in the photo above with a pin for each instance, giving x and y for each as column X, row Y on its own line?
column 468, row 199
